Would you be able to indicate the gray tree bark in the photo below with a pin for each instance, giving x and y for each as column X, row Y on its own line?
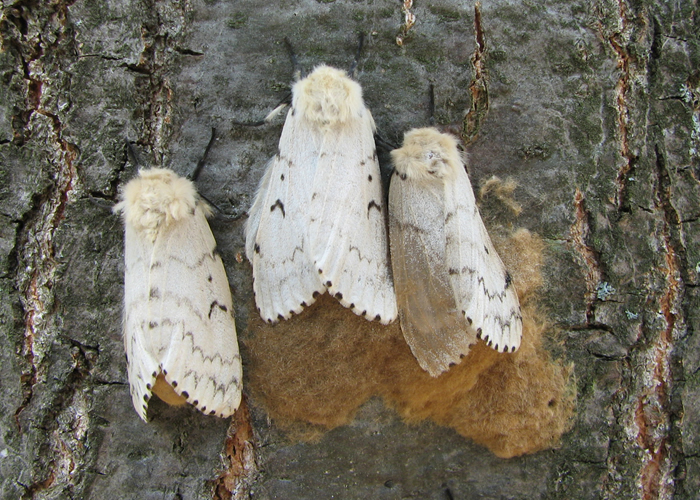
column 592, row 107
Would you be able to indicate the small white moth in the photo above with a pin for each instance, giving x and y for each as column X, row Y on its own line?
column 179, row 330
column 318, row 222
column 451, row 286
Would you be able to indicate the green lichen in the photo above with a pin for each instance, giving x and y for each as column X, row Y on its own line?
column 237, row 21
column 445, row 13
column 496, row 56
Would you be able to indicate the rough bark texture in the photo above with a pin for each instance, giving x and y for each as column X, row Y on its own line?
column 593, row 107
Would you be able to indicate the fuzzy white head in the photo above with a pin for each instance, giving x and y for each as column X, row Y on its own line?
column 328, row 97
column 155, row 199
column 427, row 154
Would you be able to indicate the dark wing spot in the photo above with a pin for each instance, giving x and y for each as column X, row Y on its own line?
column 154, row 293
column 204, row 408
column 316, row 294
column 478, row 334
column 374, row 155
column 509, row 279
column 329, row 284
column 377, row 318
column 505, row 348
column 486, row 249
column 452, row 271
column 148, row 386
column 212, row 412
column 291, row 312
column 469, row 320
column 155, row 374
column 280, row 317
column 210, row 278
column 174, row 383
column 293, row 111
column 214, row 305
column 369, row 178
column 282, row 177
column 496, row 347
column 448, row 216
column 403, row 177
column 195, row 402
column 512, row 349
column 185, row 394
column 152, row 324
column 320, row 271
column 280, row 205
column 452, row 364
column 364, row 313
column 375, row 205
column 165, row 372
column 461, row 356
column 339, row 296
column 303, row 304
column 352, row 306
column 145, row 398
column 257, row 248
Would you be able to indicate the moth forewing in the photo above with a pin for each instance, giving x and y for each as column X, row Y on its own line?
column 430, row 321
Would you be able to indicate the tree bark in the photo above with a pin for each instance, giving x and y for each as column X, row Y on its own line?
column 593, row 108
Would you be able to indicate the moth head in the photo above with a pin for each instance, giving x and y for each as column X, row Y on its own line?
column 328, row 97
column 156, row 198
column 427, row 154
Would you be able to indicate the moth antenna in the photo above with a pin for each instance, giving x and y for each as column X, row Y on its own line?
column 200, row 165
column 384, row 143
column 132, row 155
column 360, row 43
column 431, row 105
column 296, row 70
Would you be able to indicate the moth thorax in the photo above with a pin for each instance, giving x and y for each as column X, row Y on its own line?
column 328, row 97
column 156, row 199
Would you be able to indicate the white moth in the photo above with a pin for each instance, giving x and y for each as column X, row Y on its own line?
column 318, row 222
column 451, row 286
column 179, row 330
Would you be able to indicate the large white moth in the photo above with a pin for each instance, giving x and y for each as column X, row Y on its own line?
column 179, row 330
column 318, row 222
column 451, row 286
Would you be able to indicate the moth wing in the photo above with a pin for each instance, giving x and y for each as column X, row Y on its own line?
column 180, row 318
column 482, row 286
column 432, row 326
column 142, row 345
column 276, row 237
column 347, row 224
